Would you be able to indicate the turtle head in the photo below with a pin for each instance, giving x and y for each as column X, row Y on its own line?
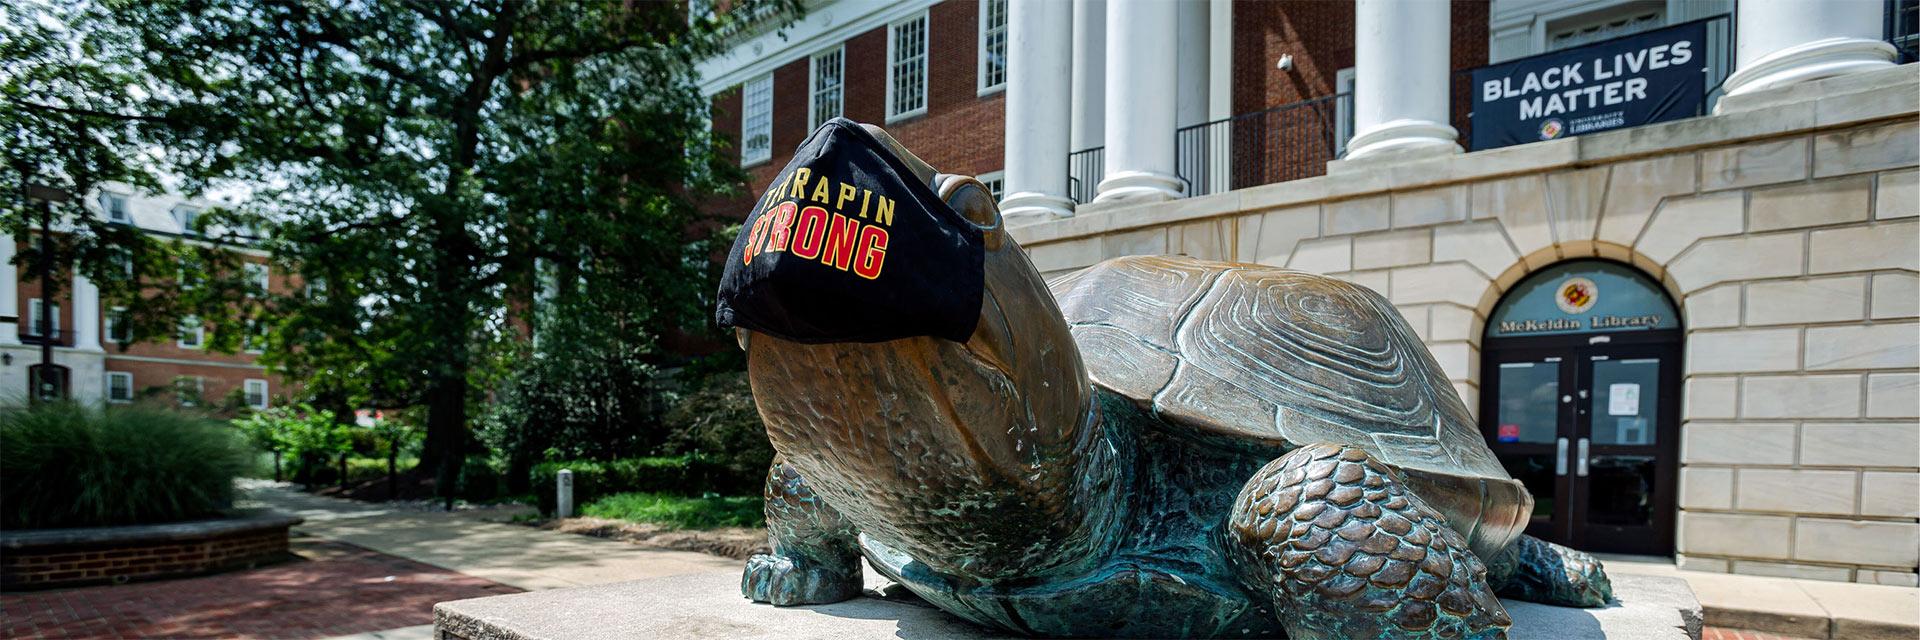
column 943, row 447
column 1018, row 372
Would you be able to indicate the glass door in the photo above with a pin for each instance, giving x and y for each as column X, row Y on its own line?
column 1590, row 430
column 1532, row 406
column 1623, row 456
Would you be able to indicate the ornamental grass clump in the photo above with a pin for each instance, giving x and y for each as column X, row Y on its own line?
column 67, row 465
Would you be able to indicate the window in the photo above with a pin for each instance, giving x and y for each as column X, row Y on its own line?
column 316, row 289
column 186, row 216
column 119, row 386
column 256, row 277
column 193, row 335
column 996, row 184
column 122, row 258
column 1589, row 30
column 188, row 390
column 756, row 126
column 1343, row 111
column 993, row 46
column 829, row 87
column 255, row 340
column 117, row 329
column 907, row 68
column 43, row 319
column 256, row 391
column 116, row 207
column 188, row 280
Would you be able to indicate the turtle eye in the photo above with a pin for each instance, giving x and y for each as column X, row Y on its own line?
column 967, row 196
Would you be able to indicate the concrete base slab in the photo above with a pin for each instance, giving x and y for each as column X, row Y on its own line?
column 708, row 605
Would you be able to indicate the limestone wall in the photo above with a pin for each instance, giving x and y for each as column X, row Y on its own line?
column 1786, row 228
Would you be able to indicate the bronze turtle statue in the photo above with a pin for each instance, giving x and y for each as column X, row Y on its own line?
column 1150, row 447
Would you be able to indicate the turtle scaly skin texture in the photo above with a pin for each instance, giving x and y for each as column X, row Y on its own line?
column 814, row 559
column 1334, row 535
column 1151, row 447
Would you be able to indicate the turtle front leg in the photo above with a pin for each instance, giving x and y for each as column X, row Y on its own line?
column 1535, row 570
column 1345, row 551
column 815, row 559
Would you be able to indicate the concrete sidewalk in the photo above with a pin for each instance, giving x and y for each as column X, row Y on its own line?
column 466, row 542
column 523, row 557
column 1794, row 607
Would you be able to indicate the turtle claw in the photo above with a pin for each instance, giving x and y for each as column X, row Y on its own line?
column 783, row 581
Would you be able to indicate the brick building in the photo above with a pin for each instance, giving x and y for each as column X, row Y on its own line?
column 103, row 361
column 1692, row 336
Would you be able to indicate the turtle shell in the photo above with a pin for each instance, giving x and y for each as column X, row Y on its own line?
column 1288, row 359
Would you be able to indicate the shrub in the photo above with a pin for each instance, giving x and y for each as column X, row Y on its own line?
column 65, row 465
column 312, row 439
column 678, row 475
column 575, row 402
column 719, row 424
column 680, row 512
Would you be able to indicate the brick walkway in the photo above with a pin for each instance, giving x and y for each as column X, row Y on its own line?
column 337, row 589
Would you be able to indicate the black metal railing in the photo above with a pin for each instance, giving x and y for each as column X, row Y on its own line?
column 31, row 335
column 1084, row 169
column 1288, row 142
column 1903, row 28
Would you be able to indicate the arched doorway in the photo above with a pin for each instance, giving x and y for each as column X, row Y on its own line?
column 1580, row 399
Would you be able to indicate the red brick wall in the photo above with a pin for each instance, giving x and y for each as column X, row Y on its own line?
column 96, row 564
column 961, row 132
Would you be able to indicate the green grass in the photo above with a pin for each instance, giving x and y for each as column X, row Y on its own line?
column 680, row 512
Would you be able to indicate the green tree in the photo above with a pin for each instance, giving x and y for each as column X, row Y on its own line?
column 417, row 162
column 72, row 112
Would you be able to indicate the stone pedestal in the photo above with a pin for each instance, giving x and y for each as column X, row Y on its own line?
column 708, row 605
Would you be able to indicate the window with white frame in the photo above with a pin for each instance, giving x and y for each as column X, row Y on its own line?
column 828, row 73
column 193, row 334
column 115, row 206
column 1342, row 111
column 189, row 390
column 996, row 183
column 119, row 386
column 907, row 68
column 256, row 277
column 255, row 340
column 993, row 46
column 756, row 120
column 186, row 216
column 256, row 392
column 117, row 329
column 42, row 319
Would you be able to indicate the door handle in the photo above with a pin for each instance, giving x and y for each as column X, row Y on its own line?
column 1580, row 468
column 1560, row 459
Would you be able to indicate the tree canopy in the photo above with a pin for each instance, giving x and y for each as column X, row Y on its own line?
column 425, row 167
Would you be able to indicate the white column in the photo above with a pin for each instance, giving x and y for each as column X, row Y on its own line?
column 1190, row 105
column 1141, row 102
column 86, row 313
column 1400, row 59
column 1089, row 75
column 1220, row 60
column 9, row 292
column 1782, row 42
column 1039, row 65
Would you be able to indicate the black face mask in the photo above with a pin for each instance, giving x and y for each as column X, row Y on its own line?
column 849, row 246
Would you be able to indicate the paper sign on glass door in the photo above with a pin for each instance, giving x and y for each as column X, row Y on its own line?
column 1623, row 399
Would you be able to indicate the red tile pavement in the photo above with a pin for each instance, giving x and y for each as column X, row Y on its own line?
column 334, row 589
column 1723, row 633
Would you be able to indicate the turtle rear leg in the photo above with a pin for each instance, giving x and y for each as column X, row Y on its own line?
column 1345, row 551
column 815, row 559
column 1535, row 570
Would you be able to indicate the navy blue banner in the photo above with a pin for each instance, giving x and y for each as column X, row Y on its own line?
column 1639, row 79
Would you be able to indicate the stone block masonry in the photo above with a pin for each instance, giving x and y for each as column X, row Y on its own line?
column 1787, row 234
